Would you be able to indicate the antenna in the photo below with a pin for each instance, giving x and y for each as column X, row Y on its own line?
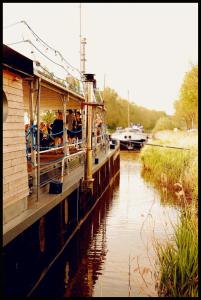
column 82, row 48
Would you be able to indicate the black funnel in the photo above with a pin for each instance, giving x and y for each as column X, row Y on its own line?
column 89, row 77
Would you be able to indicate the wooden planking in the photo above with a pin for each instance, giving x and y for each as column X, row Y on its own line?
column 15, row 104
column 14, row 155
column 9, row 133
column 13, row 148
column 13, row 90
column 14, row 169
column 18, row 182
column 15, row 111
column 7, row 163
column 14, row 197
column 20, row 188
column 15, row 176
column 13, row 141
column 13, row 126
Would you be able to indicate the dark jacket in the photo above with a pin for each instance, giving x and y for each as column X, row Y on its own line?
column 57, row 127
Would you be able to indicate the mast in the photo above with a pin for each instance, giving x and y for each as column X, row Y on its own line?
column 82, row 48
column 128, row 110
column 87, row 113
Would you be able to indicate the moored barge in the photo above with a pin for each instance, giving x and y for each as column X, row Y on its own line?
column 48, row 192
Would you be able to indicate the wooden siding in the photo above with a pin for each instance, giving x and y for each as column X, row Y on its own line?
column 15, row 176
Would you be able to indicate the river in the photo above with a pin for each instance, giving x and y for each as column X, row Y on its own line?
column 113, row 252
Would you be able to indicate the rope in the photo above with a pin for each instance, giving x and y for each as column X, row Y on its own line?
column 166, row 146
column 156, row 145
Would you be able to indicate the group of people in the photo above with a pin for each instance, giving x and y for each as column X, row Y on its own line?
column 52, row 134
column 73, row 125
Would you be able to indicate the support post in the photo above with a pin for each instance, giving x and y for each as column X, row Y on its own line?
column 31, row 117
column 89, row 97
column 64, row 126
column 38, row 137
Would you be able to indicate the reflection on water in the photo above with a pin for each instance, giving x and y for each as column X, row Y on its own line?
column 113, row 254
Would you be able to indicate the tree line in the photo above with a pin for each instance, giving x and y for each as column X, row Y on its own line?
column 117, row 112
column 186, row 107
column 185, row 116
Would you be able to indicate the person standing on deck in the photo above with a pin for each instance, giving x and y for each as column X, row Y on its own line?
column 57, row 129
column 78, row 125
column 70, row 118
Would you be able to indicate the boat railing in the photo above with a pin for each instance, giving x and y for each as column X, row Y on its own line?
column 61, row 166
column 54, row 164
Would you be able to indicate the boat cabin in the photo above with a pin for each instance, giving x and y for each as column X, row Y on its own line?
column 29, row 165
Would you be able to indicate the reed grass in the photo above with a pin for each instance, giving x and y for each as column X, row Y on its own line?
column 170, row 166
column 178, row 257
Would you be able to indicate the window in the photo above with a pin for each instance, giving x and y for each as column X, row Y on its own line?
column 5, row 107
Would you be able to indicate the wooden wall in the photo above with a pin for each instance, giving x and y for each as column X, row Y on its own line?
column 15, row 176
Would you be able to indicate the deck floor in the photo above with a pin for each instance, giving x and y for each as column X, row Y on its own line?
column 36, row 209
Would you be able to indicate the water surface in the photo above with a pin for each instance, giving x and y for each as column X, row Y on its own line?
column 113, row 253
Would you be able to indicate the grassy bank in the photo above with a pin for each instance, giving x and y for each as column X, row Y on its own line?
column 178, row 171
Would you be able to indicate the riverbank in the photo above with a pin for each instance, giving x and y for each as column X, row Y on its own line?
column 177, row 170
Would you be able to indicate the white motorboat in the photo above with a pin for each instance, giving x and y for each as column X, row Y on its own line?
column 130, row 138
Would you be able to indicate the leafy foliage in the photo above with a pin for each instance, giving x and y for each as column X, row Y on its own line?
column 48, row 117
column 187, row 105
column 117, row 112
column 164, row 123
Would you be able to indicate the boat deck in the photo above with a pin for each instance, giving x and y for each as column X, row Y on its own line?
column 36, row 209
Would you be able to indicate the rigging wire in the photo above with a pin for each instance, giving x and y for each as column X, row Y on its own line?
column 30, row 42
column 38, row 39
column 11, row 25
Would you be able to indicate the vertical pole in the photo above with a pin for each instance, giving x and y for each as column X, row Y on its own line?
column 64, row 138
column 89, row 130
column 78, row 195
column 38, row 139
column 31, row 117
column 128, row 111
column 80, row 39
column 64, row 126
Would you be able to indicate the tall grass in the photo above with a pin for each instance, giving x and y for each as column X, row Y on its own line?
column 177, row 170
column 178, row 260
column 171, row 166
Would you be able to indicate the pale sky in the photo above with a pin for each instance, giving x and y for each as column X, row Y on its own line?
column 145, row 48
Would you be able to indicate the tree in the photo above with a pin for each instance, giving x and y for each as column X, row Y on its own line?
column 117, row 108
column 186, row 106
column 164, row 123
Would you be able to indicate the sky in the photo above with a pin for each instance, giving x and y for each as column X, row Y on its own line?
column 143, row 48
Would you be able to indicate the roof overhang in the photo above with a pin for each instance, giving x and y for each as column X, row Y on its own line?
column 17, row 62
